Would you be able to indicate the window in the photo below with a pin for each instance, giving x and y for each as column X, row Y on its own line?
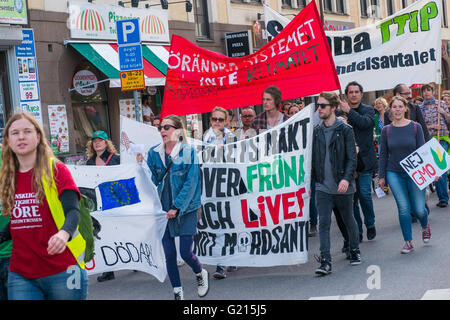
column 334, row 6
column 444, row 14
column 370, row 8
column 293, row 4
column 390, row 9
column 201, row 19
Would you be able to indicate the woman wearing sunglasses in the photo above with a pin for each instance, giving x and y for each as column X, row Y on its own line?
column 176, row 173
column 218, row 133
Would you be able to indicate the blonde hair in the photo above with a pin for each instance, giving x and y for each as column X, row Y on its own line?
column 11, row 165
column 90, row 152
column 220, row 109
column 382, row 101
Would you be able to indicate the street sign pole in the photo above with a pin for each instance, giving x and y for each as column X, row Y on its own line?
column 130, row 58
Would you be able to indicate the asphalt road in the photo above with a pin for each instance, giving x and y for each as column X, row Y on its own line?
column 385, row 273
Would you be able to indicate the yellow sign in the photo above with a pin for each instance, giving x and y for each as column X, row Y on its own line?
column 132, row 80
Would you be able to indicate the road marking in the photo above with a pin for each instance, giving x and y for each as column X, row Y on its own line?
column 361, row 296
column 438, row 294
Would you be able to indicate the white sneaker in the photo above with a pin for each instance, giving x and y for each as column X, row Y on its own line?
column 178, row 293
column 203, row 283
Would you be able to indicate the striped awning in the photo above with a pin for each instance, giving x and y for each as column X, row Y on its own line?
column 105, row 57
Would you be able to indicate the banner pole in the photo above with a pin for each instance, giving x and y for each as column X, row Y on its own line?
column 438, row 114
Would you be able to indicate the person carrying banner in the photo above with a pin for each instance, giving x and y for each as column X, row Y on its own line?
column 248, row 114
column 398, row 140
column 361, row 118
column 402, row 90
column 334, row 171
column 101, row 152
column 41, row 198
column 176, row 174
column 272, row 116
column 219, row 135
column 431, row 112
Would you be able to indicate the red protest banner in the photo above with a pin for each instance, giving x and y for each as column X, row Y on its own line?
column 298, row 61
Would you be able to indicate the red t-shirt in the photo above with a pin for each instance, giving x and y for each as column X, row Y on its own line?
column 32, row 225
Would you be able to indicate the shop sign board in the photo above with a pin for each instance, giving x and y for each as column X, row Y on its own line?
column 85, row 82
column 13, row 11
column 98, row 21
column 132, row 80
column 28, row 79
column 238, row 44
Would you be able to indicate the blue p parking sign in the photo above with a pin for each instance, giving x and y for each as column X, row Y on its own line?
column 129, row 45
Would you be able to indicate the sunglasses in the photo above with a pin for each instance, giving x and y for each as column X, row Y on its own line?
column 166, row 127
column 247, row 116
column 322, row 105
column 218, row 119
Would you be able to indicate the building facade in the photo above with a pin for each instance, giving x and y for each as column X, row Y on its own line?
column 77, row 86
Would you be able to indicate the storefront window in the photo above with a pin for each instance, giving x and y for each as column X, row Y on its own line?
column 90, row 108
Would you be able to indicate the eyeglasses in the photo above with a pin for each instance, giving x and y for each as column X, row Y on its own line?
column 166, row 127
column 405, row 93
column 322, row 105
column 218, row 119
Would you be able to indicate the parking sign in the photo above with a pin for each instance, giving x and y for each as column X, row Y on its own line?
column 128, row 32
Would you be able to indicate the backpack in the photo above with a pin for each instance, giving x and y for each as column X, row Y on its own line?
column 85, row 226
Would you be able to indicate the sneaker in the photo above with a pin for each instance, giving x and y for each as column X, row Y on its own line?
column 346, row 250
column 408, row 247
column 355, row 257
column 203, row 283
column 220, row 273
column 325, row 267
column 178, row 293
column 106, row 276
column 426, row 234
column 232, row 268
column 180, row 263
column 442, row 204
column 371, row 233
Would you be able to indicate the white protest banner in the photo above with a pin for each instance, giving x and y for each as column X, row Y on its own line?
column 402, row 48
column 255, row 197
column 136, row 137
column 426, row 163
column 130, row 220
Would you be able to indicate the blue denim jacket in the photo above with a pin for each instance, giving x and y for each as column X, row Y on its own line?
column 185, row 181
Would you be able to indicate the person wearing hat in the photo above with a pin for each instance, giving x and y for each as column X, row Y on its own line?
column 100, row 151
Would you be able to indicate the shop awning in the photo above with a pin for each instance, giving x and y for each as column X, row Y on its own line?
column 105, row 57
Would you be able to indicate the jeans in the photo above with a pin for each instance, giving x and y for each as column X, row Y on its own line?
column 344, row 203
column 71, row 284
column 312, row 205
column 364, row 195
column 441, row 184
column 407, row 196
column 170, row 251
column 4, row 265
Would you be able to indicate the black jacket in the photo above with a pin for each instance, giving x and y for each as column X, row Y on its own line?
column 342, row 153
column 361, row 119
column 415, row 115
column 115, row 159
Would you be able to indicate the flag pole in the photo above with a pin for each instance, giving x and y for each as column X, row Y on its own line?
column 438, row 113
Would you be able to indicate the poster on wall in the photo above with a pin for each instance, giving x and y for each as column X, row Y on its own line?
column 59, row 131
column 13, row 11
column 128, row 109
column 30, row 100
